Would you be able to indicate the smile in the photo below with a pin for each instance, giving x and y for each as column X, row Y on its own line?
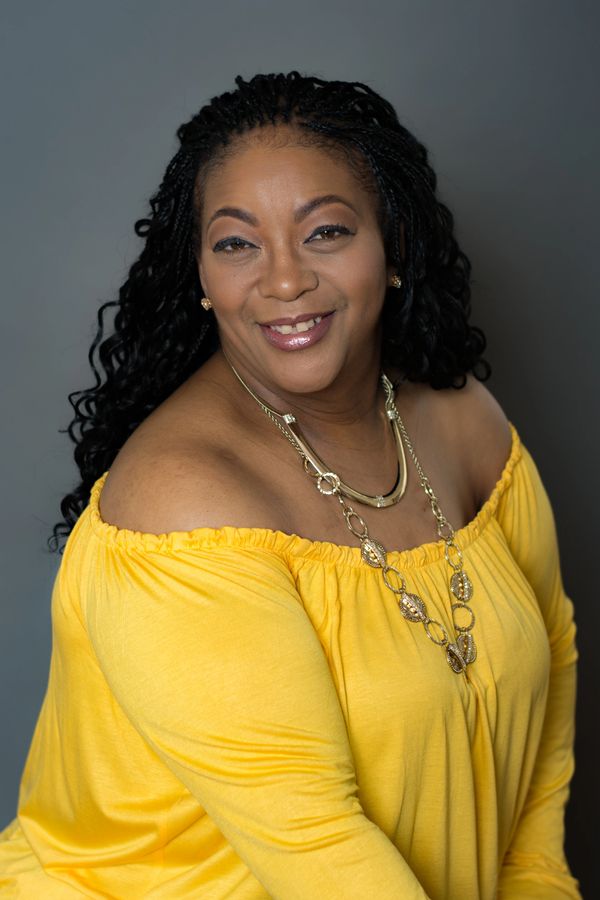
column 299, row 333
column 298, row 328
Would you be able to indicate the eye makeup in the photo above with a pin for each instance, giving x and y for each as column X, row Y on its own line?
column 233, row 243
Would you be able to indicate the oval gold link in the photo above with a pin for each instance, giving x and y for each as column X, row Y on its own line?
column 441, row 642
column 309, row 468
column 470, row 621
column 402, row 584
column 445, row 530
column 435, row 508
column 350, row 515
column 450, row 545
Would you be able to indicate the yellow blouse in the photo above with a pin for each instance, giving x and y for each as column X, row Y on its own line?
column 240, row 713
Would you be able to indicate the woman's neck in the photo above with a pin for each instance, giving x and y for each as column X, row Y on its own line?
column 348, row 415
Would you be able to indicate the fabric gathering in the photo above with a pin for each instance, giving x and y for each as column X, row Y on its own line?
column 186, row 791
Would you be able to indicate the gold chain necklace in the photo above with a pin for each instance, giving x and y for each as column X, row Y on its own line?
column 460, row 652
column 290, row 428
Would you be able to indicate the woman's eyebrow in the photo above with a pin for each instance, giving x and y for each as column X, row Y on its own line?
column 301, row 213
column 236, row 213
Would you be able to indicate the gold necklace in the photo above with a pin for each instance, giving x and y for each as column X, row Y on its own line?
column 460, row 652
column 290, row 428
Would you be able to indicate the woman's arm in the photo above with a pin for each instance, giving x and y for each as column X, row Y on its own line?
column 212, row 657
column 535, row 864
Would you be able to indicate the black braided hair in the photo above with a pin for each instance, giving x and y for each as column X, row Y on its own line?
column 160, row 333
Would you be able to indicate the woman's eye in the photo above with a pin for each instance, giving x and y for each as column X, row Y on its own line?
column 231, row 245
column 323, row 234
column 328, row 233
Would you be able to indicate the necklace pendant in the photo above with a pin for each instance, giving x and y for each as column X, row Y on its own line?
column 461, row 586
column 466, row 645
column 455, row 659
column 412, row 607
column 373, row 553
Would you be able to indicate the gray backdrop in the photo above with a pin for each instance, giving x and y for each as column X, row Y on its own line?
column 502, row 94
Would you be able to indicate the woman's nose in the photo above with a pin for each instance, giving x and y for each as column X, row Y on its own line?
column 287, row 277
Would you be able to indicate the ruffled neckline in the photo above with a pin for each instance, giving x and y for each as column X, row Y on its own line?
column 286, row 544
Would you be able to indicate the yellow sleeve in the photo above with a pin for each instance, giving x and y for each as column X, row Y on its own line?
column 213, row 658
column 535, row 864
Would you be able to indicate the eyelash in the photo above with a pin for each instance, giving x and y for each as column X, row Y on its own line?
column 240, row 244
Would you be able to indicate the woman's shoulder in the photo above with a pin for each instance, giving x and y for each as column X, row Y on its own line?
column 171, row 490
column 469, row 422
column 485, row 433
column 185, row 468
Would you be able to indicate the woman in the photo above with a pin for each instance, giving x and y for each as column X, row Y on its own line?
column 310, row 636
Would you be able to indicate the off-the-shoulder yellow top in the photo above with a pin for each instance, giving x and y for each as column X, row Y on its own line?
column 241, row 713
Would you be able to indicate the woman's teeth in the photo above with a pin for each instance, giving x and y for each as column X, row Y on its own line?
column 298, row 328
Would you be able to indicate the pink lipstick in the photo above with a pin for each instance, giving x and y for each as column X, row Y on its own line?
column 297, row 333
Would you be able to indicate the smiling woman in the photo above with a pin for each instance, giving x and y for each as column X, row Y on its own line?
column 277, row 262
column 310, row 635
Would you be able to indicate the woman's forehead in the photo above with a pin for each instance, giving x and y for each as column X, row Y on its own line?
column 279, row 161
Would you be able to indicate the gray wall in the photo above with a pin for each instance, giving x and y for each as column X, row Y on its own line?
column 502, row 93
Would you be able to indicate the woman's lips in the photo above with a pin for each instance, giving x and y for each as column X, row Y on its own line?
column 296, row 334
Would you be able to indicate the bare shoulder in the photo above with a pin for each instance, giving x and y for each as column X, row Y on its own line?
column 176, row 491
column 471, row 422
column 480, row 427
column 168, row 478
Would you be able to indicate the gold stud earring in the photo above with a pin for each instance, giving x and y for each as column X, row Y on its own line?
column 396, row 281
column 206, row 304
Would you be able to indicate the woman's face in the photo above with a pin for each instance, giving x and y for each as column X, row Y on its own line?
column 292, row 258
